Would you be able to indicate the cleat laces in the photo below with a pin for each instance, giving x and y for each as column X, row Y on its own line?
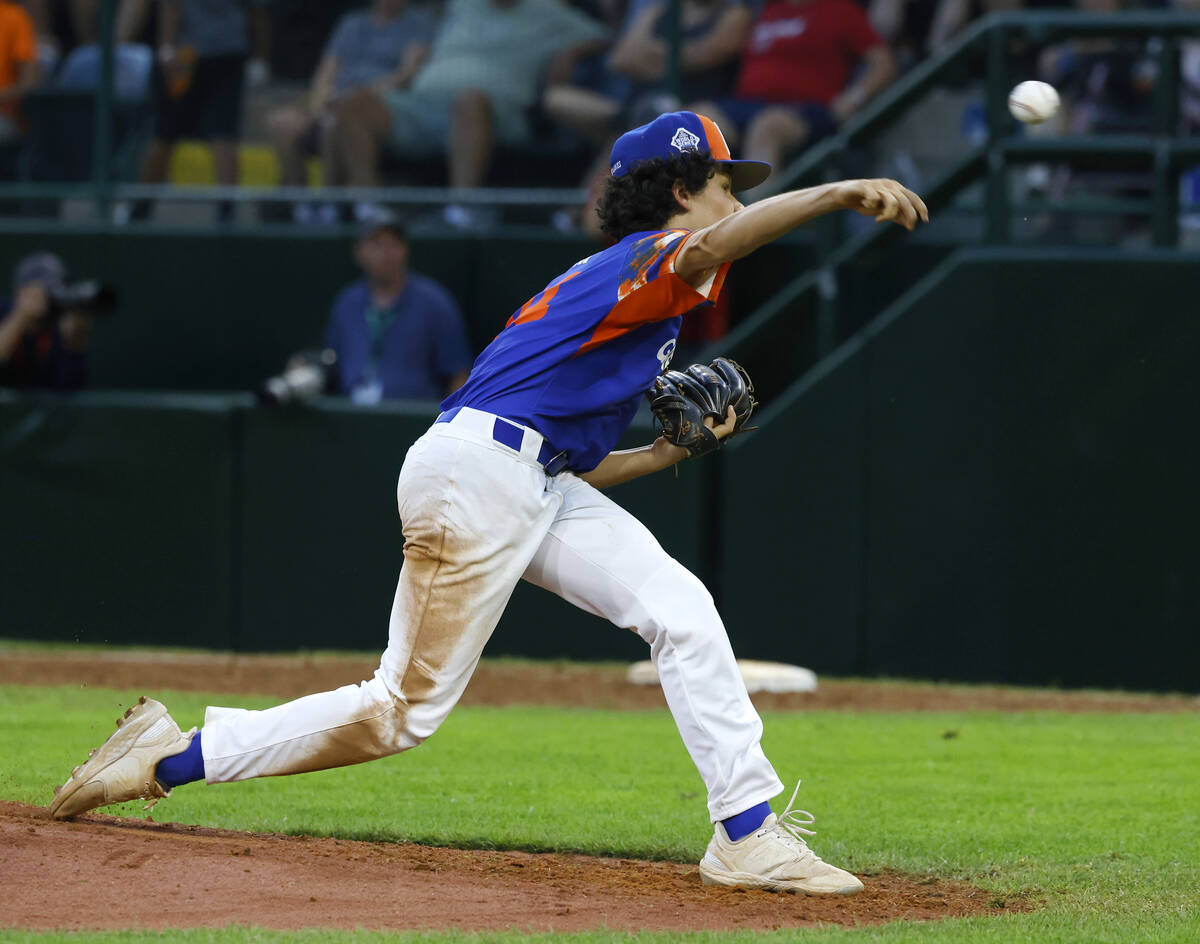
column 790, row 827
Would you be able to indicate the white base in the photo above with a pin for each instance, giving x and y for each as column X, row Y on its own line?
column 758, row 676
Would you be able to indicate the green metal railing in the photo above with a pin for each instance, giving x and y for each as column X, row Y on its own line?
column 988, row 39
column 103, row 120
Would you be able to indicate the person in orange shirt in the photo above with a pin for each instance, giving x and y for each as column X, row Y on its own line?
column 18, row 65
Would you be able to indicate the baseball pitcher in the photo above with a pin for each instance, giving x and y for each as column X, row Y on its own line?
column 506, row 485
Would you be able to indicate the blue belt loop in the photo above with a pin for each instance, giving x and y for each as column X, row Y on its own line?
column 508, row 434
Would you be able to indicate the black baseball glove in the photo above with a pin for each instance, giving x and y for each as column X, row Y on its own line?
column 680, row 401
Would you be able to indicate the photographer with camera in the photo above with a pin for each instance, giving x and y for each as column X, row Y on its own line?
column 392, row 335
column 46, row 327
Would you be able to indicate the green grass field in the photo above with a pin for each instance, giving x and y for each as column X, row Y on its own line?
column 1096, row 817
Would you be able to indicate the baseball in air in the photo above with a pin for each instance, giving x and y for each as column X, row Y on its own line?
column 1033, row 102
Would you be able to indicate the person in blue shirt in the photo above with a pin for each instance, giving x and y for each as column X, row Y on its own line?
column 398, row 335
column 506, row 486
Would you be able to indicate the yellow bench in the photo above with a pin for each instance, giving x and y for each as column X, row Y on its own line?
column 192, row 165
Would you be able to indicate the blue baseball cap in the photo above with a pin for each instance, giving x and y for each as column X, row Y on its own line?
column 679, row 131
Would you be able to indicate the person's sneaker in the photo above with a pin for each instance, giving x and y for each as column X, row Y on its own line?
column 122, row 768
column 774, row 857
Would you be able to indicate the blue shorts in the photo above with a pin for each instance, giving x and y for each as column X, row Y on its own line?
column 742, row 111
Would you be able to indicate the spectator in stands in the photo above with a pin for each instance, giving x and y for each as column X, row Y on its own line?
column 952, row 16
column 44, row 329
column 60, row 26
column 397, row 334
column 481, row 81
column 18, row 66
column 1106, row 83
column 374, row 51
column 713, row 33
column 203, row 50
column 809, row 65
column 905, row 26
column 68, row 47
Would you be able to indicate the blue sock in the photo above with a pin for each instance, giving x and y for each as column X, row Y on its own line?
column 182, row 768
column 742, row 825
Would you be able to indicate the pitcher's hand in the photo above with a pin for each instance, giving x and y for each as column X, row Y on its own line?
column 885, row 200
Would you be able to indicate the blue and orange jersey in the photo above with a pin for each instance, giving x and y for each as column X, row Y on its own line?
column 575, row 359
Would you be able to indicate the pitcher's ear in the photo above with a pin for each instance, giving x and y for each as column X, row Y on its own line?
column 682, row 197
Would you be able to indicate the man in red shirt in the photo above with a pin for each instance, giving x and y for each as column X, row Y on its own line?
column 801, row 76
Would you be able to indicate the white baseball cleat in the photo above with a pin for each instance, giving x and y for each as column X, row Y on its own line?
column 775, row 857
column 123, row 767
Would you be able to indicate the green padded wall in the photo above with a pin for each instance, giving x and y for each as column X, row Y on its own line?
column 118, row 519
column 1016, row 432
column 321, row 539
column 210, row 521
column 993, row 480
column 792, row 535
column 1032, row 476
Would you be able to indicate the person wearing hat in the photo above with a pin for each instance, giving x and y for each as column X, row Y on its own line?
column 397, row 335
column 505, row 486
column 41, row 345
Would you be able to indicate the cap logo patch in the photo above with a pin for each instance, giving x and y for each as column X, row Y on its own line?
column 616, row 167
column 685, row 140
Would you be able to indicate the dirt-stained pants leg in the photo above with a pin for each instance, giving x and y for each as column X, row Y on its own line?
column 599, row 557
column 474, row 513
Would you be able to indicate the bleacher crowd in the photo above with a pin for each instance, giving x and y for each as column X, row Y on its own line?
column 315, row 93
column 474, row 92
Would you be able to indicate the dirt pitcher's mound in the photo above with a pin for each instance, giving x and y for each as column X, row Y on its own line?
column 104, row 872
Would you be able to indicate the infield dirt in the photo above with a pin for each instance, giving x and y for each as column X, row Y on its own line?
column 526, row 683
column 85, row 875
column 80, row 874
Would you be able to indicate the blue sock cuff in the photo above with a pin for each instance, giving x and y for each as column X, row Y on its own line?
column 742, row 825
column 183, row 767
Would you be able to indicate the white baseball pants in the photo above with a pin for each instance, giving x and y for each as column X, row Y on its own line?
column 478, row 516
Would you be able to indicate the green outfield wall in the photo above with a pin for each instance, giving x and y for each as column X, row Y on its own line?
column 119, row 519
column 993, row 481
column 996, row 480
column 209, row 521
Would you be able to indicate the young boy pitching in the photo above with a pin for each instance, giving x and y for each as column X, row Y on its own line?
column 506, row 485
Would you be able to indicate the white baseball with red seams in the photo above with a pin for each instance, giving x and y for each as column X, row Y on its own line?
column 1033, row 102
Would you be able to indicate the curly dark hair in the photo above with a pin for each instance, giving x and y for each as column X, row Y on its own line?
column 644, row 198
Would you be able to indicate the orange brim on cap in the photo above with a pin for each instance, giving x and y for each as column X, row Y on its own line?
column 743, row 174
